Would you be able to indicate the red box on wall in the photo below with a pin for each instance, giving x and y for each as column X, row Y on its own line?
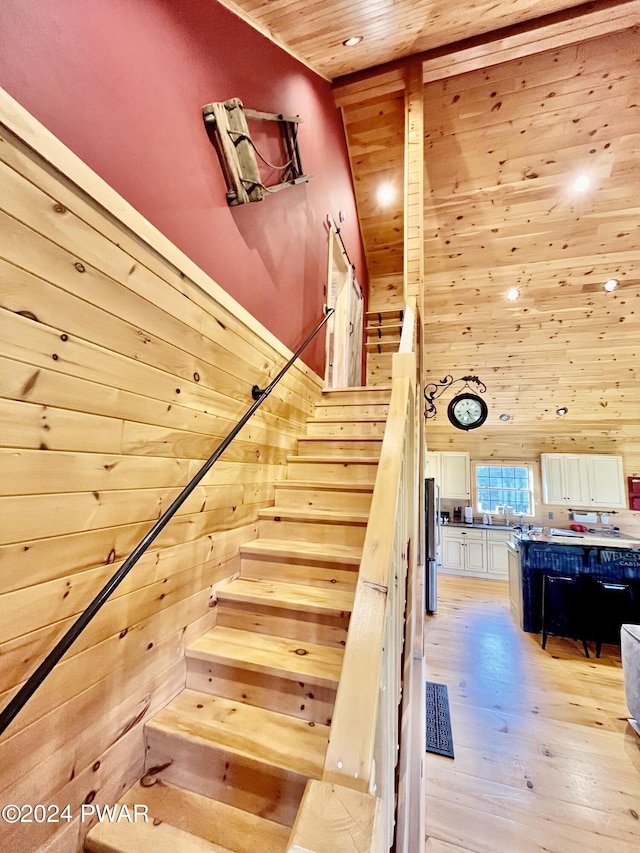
column 634, row 493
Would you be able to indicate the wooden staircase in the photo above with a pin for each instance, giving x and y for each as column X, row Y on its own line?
column 383, row 330
column 228, row 759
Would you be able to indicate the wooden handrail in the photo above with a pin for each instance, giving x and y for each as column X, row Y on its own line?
column 349, row 758
column 44, row 669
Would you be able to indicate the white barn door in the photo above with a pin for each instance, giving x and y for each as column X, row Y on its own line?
column 344, row 329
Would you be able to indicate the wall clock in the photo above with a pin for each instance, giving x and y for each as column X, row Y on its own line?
column 467, row 411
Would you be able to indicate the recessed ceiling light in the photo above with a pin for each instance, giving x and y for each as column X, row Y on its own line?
column 505, row 417
column 562, row 411
column 611, row 284
column 582, row 183
column 513, row 294
column 386, row 194
column 352, row 41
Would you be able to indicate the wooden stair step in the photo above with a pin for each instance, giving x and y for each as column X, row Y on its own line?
column 381, row 328
column 360, row 459
column 278, row 656
column 310, row 445
column 338, row 427
column 351, row 411
column 285, row 596
column 216, row 822
column 382, row 346
column 298, row 561
column 323, row 422
column 336, row 469
column 321, row 525
column 142, row 837
column 251, row 758
column 260, row 735
column 320, row 485
column 357, row 394
column 314, row 495
column 307, row 612
column 290, row 676
column 386, row 314
column 319, row 516
column 309, row 553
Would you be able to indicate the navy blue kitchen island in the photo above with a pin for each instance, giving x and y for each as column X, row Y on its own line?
column 615, row 563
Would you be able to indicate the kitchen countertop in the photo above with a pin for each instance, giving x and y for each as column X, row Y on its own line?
column 598, row 540
column 588, row 540
column 477, row 526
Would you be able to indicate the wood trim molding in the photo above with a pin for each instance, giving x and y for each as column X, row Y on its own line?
column 267, row 33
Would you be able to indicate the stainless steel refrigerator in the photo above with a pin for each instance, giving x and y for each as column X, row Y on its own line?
column 432, row 535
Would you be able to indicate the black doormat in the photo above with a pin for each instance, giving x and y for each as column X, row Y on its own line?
column 439, row 737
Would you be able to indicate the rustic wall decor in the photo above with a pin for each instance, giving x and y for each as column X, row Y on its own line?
column 228, row 129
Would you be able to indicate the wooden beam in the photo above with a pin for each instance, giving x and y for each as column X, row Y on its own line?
column 570, row 26
column 414, row 185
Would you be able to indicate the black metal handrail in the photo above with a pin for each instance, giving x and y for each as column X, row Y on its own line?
column 62, row 646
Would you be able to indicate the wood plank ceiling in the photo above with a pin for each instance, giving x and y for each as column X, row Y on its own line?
column 314, row 30
column 511, row 119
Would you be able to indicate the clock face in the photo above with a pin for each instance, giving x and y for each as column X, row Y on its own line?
column 467, row 411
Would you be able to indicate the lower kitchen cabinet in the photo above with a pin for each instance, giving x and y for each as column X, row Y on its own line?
column 515, row 582
column 475, row 551
column 464, row 550
column 497, row 558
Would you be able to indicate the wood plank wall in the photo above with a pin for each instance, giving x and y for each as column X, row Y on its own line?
column 503, row 146
column 119, row 376
column 503, row 143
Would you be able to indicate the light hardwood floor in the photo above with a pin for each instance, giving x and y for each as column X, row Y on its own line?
column 544, row 757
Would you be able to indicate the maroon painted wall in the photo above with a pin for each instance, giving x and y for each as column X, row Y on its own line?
column 122, row 83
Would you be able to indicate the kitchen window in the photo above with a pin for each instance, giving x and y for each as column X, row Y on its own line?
column 498, row 486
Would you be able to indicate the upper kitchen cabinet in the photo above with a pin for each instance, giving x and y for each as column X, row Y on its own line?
column 583, row 480
column 451, row 470
column 607, row 482
column 565, row 479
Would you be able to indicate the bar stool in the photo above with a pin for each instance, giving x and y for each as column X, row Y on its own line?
column 612, row 607
column 560, row 609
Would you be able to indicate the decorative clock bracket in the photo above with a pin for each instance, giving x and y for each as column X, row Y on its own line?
column 434, row 390
column 227, row 126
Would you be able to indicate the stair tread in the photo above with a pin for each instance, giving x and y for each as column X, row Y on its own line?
column 217, row 822
column 286, row 595
column 385, row 312
column 351, row 439
column 254, row 733
column 142, row 837
column 384, row 326
column 271, row 654
column 352, row 388
column 383, row 346
column 305, row 550
column 341, row 420
column 327, row 404
column 321, row 486
column 363, row 460
column 319, row 515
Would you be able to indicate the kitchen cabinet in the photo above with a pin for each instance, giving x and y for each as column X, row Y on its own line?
column 515, row 581
column 452, row 471
column 606, row 482
column 475, row 551
column 583, row 480
column 565, row 479
column 433, row 467
column 497, row 562
column 464, row 550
